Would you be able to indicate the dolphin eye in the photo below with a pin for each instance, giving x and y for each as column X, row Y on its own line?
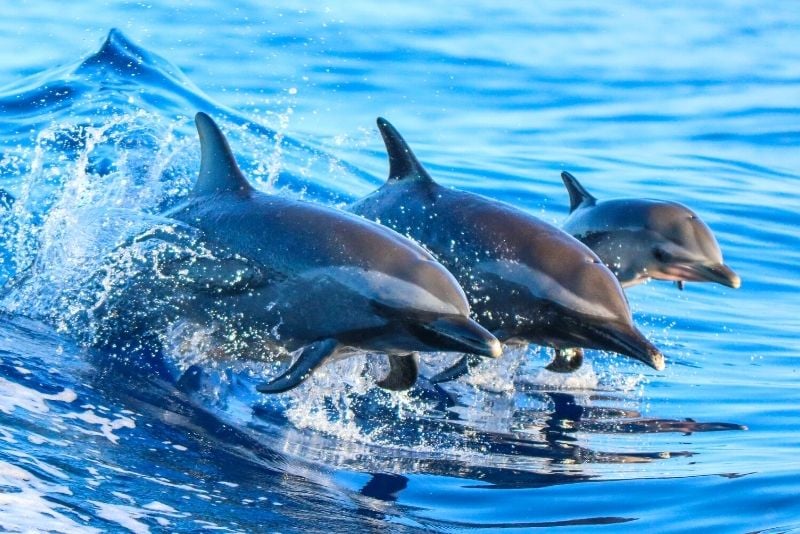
column 661, row 255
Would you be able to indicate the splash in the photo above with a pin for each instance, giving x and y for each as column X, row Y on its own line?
column 112, row 147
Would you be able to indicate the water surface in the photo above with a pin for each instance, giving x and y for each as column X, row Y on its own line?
column 696, row 104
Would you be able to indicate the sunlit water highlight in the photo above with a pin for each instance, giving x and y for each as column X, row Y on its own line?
column 94, row 146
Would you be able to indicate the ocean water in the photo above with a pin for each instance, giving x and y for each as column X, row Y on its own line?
column 696, row 103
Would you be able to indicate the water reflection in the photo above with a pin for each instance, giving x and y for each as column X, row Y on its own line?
column 537, row 449
column 536, row 439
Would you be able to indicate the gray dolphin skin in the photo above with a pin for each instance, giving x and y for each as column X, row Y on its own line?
column 314, row 278
column 527, row 280
column 639, row 239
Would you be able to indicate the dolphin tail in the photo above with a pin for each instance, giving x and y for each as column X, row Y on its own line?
column 578, row 195
column 219, row 172
column 312, row 357
column 457, row 370
column 403, row 372
column 403, row 164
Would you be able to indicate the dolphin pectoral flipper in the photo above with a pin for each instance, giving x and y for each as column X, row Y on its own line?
column 578, row 195
column 457, row 370
column 191, row 379
column 566, row 360
column 403, row 372
column 310, row 359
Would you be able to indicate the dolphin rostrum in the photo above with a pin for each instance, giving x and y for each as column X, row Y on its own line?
column 639, row 239
column 527, row 280
column 312, row 277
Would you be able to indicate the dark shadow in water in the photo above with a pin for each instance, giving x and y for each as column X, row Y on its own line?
column 499, row 460
column 384, row 487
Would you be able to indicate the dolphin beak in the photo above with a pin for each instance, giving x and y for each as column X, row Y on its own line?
column 460, row 334
column 627, row 340
column 698, row 272
column 719, row 273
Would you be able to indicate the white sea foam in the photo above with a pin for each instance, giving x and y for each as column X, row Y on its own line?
column 125, row 516
column 14, row 395
column 27, row 509
column 132, row 517
column 106, row 424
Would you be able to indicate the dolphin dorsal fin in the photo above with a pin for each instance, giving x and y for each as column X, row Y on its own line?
column 403, row 164
column 219, row 172
column 578, row 196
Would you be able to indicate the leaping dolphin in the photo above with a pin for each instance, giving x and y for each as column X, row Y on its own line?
column 526, row 280
column 312, row 277
column 639, row 239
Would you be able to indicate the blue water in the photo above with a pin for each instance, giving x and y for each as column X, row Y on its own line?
column 690, row 102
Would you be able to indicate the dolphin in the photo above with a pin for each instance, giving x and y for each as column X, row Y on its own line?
column 527, row 280
column 311, row 278
column 639, row 239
